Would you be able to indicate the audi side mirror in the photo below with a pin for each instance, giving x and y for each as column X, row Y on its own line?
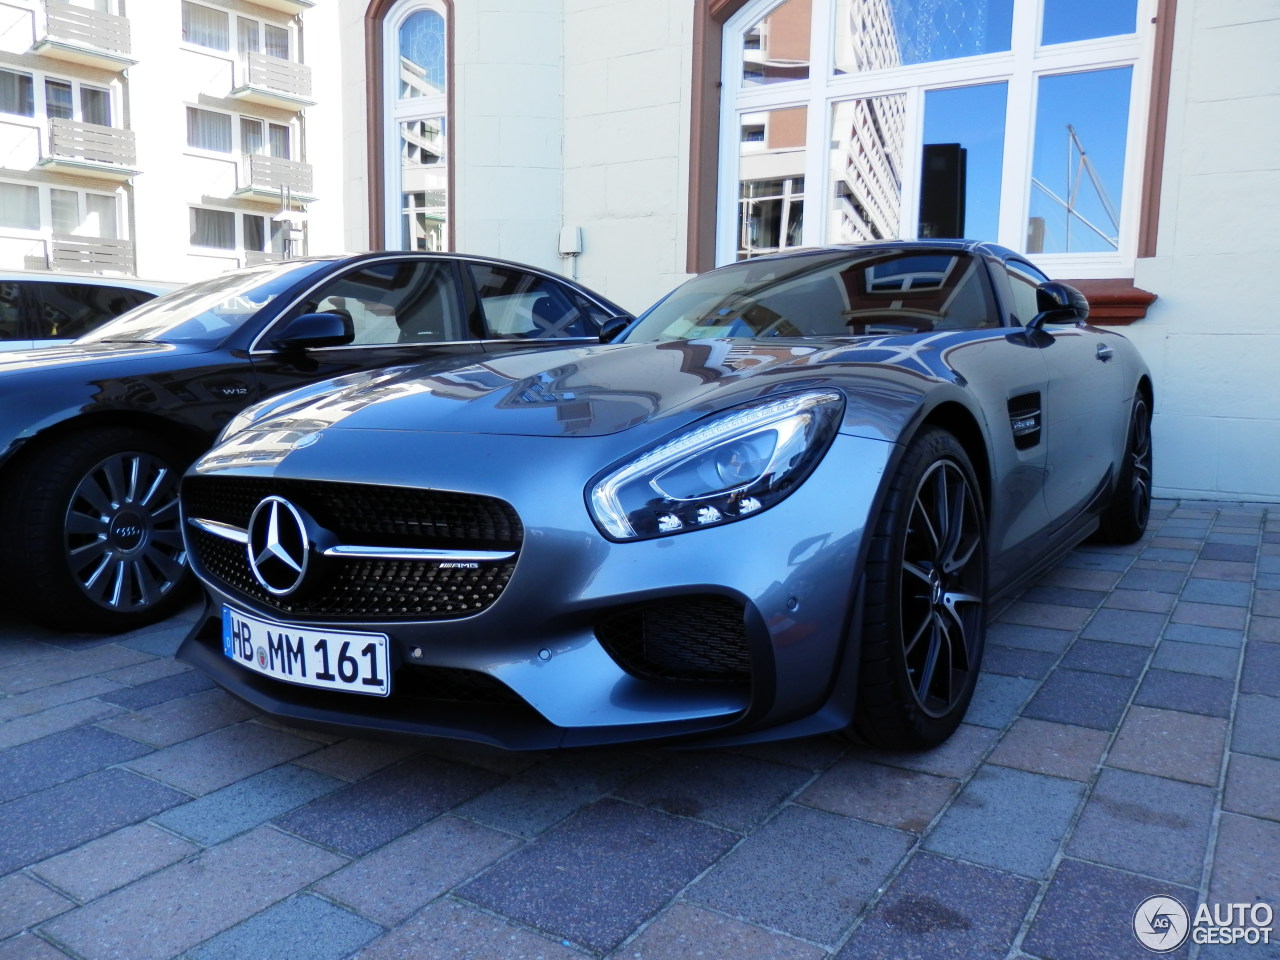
column 1058, row 302
column 307, row 330
column 611, row 328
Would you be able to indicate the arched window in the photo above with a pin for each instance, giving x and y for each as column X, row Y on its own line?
column 1022, row 123
column 416, row 125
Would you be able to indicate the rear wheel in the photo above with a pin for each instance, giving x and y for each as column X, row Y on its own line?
column 1125, row 519
column 924, row 624
column 95, row 542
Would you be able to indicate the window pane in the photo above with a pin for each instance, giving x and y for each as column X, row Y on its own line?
column 277, row 41
column 19, row 206
column 255, row 232
column 771, row 181
column 57, row 99
column 524, row 305
column 961, row 162
column 869, row 136
column 878, row 34
column 250, row 135
column 423, row 184
column 17, row 94
column 95, row 106
column 207, row 130
column 1077, row 171
column 205, row 27
column 66, row 210
column 213, row 228
column 1067, row 20
column 279, row 140
column 777, row 48
column 101, row 218
column 414, row 301
column 247, row 40
column 422, row 59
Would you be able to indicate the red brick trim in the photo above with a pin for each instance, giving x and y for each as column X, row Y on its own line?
column 1114, row 303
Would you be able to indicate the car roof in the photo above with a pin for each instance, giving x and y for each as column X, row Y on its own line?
column 971, row 246
column 92, row 279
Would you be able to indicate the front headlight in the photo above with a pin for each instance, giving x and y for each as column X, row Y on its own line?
column 727, row 467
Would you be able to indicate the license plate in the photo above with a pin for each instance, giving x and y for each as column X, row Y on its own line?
column 328, row 659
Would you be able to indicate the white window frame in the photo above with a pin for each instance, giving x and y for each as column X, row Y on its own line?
column 399, row 110
column 40, row 101
column 238, row 152
column 238, row 232
column 1021, row 68
column 45, row 208
column 233, row 34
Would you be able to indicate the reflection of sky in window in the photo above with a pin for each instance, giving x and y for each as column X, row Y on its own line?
column 1096, row 105
column 1067, row 20
column 422, row 42
column 930, row 30
column 974, row 118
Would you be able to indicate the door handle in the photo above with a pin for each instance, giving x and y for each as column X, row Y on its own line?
column 1105, row 353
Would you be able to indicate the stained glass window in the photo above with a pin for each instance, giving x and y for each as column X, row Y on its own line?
column 422, row 57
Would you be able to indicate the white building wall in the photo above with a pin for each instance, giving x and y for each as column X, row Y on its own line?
column 1212, row 338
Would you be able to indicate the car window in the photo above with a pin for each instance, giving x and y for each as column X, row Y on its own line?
column 829, row 294
column 395, row 301
column 521, row 304
column 1023, row 281
column 55, row 310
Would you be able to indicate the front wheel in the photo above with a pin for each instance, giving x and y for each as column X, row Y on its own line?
column 924, row 624
column 94, row 536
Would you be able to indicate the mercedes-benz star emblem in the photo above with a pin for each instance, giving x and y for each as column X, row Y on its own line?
column 277, row 546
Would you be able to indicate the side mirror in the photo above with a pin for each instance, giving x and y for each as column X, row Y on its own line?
column 316, row 330
column 1058, row 302
column 610, row 329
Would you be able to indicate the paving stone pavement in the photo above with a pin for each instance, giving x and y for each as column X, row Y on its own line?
column 1123, row 742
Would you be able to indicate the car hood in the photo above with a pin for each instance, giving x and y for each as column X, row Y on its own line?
column 584, row 392
column 76, row 354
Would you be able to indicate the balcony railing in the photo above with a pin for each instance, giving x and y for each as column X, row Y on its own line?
column 253, row 258
column 273, row 82
column 91, row 255
column 291, row 7
column 272, row 177
column 90, row 149
column 85, row 36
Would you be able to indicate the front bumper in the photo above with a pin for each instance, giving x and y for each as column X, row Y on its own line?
column 530, row 671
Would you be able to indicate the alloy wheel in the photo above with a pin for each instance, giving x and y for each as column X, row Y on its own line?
column 942, row 588
column 122, row 534
column 1140, row 463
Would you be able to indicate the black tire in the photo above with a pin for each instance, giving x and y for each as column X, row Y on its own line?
column 94, row 541
column 1125, row 519
column 924, row 622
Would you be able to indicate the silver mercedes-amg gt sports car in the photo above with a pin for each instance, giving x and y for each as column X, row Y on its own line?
column 779, row 503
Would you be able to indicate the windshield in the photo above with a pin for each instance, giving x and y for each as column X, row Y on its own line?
column 205, row 312
column 827, row 293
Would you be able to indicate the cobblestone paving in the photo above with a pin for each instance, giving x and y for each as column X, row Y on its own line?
column 1124, row 741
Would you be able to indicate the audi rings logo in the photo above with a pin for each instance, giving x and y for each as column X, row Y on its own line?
column 277, row 547
column 1161, row 924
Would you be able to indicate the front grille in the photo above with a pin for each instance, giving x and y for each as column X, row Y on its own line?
column 345, row 588
column 454, row 686
column 698, row 638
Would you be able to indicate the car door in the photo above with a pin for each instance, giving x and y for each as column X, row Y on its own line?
column 1083, row 394
column 403, row 309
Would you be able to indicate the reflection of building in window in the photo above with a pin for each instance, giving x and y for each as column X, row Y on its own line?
column 777, row 48
column 871, row 138
column 417, row 77
column 771, row 189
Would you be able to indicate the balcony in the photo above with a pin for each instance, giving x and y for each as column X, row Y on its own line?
column 87, row 37
column 272, row 82
column 292, row 7
column 90, row 150
column 255, row 258
column 269, row 178
column 91, row 255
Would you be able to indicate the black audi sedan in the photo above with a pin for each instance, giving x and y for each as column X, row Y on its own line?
column 95, row 434
column 780, row 504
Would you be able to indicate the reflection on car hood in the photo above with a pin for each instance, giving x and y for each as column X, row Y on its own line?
column 584, row 391
column 71, row 354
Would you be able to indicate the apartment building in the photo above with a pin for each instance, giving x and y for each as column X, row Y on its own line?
column 161, row 138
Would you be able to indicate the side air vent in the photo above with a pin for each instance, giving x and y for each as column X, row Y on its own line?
column 1024, row 419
